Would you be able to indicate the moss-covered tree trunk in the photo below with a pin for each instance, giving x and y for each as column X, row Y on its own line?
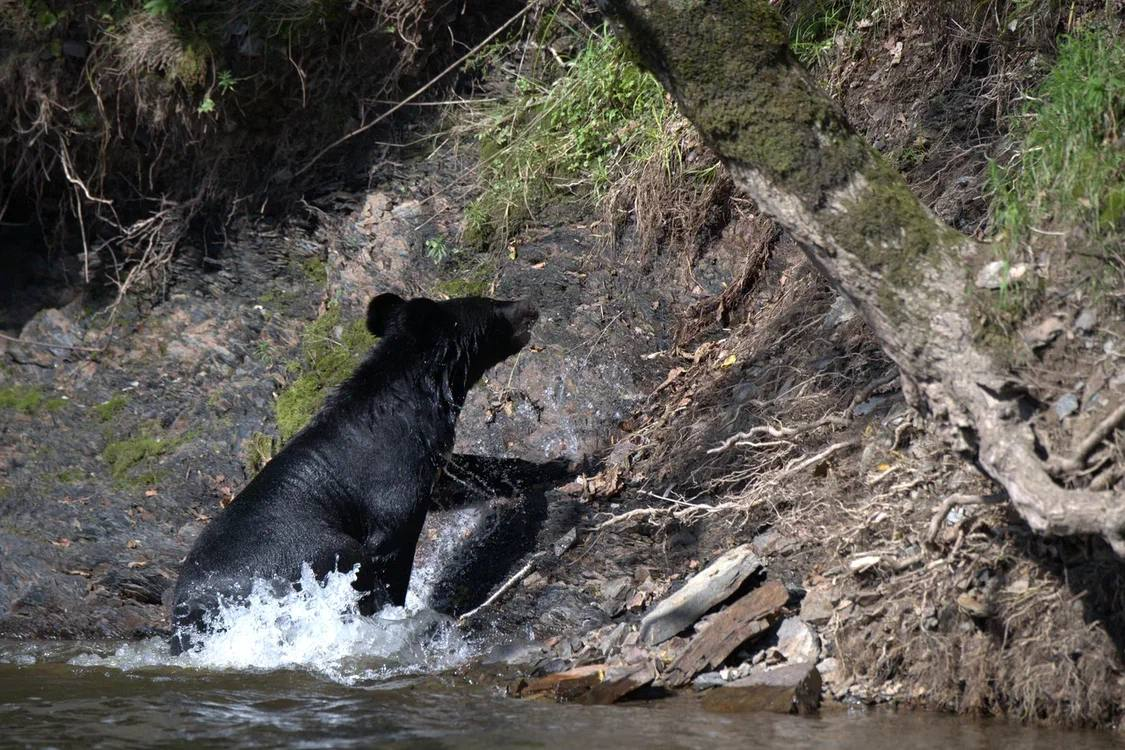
column 728, row 66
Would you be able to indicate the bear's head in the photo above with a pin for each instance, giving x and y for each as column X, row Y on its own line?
column 473, row 332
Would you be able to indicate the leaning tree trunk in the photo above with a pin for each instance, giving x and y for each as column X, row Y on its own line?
column 728, row 66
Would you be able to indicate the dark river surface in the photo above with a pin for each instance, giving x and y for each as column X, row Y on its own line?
column 306, row 671
column 49, row 702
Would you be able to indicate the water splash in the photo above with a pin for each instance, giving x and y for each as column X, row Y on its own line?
column 316, row 627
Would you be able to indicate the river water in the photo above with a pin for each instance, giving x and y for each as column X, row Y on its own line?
column 307, row 671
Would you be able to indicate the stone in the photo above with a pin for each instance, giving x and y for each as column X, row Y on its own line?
column 619, row 683
column 564, row 686
column 841, row 312
column 1066, row 405
column 748, row 618
column 771, row 543
column 565, row 542
column 789, row 689
column 832, row 674
column 708, row 588
column 817, row 606
column 1087, row 320
column 798, row 642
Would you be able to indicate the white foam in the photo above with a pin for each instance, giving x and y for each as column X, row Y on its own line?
column 317, row 628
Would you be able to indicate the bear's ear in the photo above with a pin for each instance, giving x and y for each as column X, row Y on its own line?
column 380, row 310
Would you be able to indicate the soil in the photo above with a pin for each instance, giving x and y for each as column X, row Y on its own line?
column 600, row 463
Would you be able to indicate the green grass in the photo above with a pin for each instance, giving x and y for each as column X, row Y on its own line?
column 329, row 352
column 564, row 140
column 814, row 27
column 257, row 452
column 1069, row 170
column 28, row 399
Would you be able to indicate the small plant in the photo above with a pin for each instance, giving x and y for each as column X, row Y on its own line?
column 437, row 249
column 132, row 460
column 207, row 106
column 258, row 451
column 159, row 7
column 226, row 82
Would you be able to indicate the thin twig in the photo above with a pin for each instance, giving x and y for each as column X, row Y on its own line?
column 503, row 589
column 47, row 345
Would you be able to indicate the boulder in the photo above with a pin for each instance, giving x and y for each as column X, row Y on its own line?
column 790, row 689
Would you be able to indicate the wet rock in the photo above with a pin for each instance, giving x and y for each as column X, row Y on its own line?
column 619, row 683
column 817, row 606
column 798, row 642
column 703, row 591
column 790, row 689
column 563, row 686
column 748, row 618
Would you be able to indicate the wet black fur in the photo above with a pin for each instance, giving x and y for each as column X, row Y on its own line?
column 353, row 487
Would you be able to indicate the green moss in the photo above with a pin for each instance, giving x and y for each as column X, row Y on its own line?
column 28, row 399
column 315, row 270
column 329, row 352
column 109, row 410
column 473, row 282
column 132, row 461
column 71, row 475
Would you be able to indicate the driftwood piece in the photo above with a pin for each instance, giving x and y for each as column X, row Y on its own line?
column 747, row 618
column 705, row 590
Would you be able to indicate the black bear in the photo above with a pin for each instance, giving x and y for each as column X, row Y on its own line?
column 354, row 486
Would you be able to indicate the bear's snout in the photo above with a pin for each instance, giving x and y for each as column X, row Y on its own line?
column 522, row 315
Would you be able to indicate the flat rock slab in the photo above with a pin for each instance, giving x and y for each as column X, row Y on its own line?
column 562, row 686
column 708, row 588
column 619, row 683
column 747, row 618
column 791, row 689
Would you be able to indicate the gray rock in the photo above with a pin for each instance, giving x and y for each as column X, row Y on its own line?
column 706, row 589
column 841, row 312
column 1066, row 405
column 1087, row 320
column 817, row 606
column 793, row 688
column 798, row 642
